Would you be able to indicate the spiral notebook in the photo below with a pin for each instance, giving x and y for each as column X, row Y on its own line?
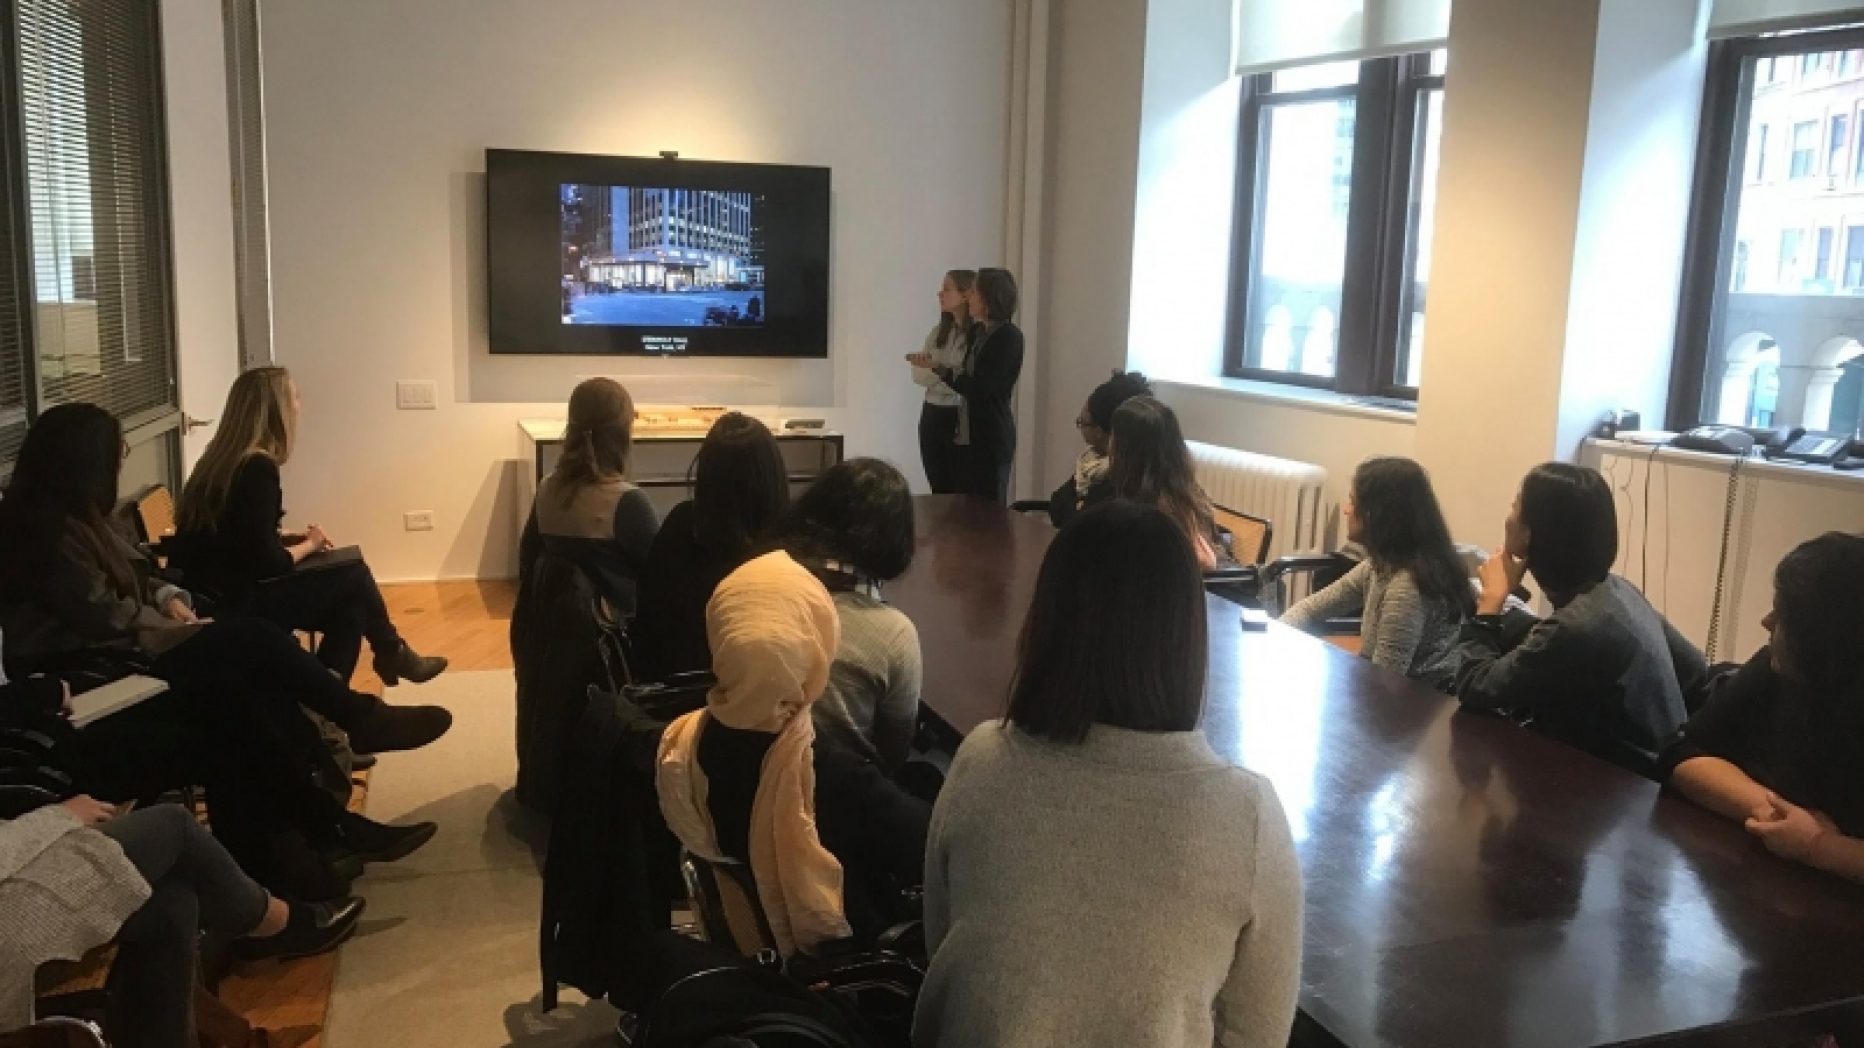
column 114, row 697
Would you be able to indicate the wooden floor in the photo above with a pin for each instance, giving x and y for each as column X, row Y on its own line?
column 469, row 623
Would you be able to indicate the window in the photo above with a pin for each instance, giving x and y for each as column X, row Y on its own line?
column 1759, row 148
column 1851, row 63
column 1805, row 149
column 85, row 301
column 1336, row 200
column 1771, row 324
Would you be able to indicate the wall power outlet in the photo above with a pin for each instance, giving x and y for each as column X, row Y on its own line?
column 418, row 520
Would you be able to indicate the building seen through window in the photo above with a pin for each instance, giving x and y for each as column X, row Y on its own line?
column 1784, row 329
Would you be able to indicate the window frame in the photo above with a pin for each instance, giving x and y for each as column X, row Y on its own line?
column 1384, row 168
column 1715, row 202
column 159, row 425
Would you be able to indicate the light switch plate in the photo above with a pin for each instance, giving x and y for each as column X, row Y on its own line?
column 418, row 520
column 417, row 394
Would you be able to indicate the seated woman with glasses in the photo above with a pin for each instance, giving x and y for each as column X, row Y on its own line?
column 1095, row 424
column 1779, row 743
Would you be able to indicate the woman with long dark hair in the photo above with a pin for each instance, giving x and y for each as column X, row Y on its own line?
column 1779, row 743
column 586, row 510
column 1149, row 463
column 944, row 347
column 1095, row 871
column 740, row 487
column 1412, row 589
column 228, row 541
column 78, row 601
column 986, row 382
column 1604, row 672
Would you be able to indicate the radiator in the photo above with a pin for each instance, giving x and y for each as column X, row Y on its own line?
column 1291, row 495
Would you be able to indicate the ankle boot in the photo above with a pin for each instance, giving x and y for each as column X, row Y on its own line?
column 373, row 841
column 403, row 664
column 391, row 729
column 313, row 928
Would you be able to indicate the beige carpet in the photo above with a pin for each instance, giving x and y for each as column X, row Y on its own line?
column 447, row 954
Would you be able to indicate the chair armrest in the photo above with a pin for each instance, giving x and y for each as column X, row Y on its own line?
column 1031, row 506
column 1243, row 573
column 1277, row 569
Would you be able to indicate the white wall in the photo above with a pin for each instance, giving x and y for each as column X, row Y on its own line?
column 379, row 113
column 201, row 202
column 1670, row 515
column 1096, row 67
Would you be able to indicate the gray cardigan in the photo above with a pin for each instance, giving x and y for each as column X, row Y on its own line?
column 1398, row 629
column 1130, row 890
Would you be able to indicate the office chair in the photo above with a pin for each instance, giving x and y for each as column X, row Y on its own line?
column 56, row 1032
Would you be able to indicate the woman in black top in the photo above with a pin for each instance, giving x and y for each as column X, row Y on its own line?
column 1779, row 744
column 78, row 602
column 740, row 488
column 228, row 541
column 987, row 381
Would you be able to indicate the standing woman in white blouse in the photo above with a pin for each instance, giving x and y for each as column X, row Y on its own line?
column 944, row 347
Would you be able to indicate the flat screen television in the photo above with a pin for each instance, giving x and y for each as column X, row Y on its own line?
column 630, row 256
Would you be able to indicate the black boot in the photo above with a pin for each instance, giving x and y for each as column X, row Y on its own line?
column 388, row 729
column 372, row 841
column 313, row 928
column 403, row 664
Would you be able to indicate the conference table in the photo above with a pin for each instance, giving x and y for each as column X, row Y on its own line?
column 1470, row 884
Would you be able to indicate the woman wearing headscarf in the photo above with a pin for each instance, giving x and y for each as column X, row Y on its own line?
column 736, row 780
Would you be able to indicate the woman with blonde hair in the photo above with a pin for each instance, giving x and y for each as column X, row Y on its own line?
column 586, row 511
column 228, row 542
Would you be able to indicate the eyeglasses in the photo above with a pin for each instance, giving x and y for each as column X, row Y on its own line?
column 1085, row 423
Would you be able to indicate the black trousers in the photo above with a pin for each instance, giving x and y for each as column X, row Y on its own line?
column 877, row 831
column 985, row 472
column 342, row 603
column 260, row 661
column 941, row 458
column 252, row 752
column 195, row 886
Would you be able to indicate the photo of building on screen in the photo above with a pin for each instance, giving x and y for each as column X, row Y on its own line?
column 640, row 257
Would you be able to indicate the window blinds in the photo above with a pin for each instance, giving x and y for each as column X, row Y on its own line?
column 15, row 291
column 251, row 229
column 1731, row 18
column 1278, row 34
column 96, row 191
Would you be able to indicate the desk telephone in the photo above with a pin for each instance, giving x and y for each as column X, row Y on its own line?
column 1790, row 443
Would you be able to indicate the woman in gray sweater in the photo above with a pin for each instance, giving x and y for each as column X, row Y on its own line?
column 1412, row 591
column 1096, row 874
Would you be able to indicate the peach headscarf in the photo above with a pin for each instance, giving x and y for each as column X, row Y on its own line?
column 773, row 631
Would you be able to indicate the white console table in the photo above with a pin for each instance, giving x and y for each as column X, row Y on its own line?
column 661, row 462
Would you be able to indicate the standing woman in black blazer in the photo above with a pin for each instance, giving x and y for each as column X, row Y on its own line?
column 986, row 380
column 228, row 540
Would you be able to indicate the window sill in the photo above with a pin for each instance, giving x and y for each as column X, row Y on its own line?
column 1299, row 397
column 1803, row 473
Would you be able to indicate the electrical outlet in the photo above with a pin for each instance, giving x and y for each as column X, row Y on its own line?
column 417, row 394
column 418, row 520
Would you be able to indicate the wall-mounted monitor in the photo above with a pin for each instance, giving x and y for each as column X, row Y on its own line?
column 600, row 255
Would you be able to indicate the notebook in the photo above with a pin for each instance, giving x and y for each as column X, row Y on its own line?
column 330, row 558
column 114, row 697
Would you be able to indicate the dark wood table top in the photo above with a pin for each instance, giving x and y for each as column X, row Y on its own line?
column 1469, row 883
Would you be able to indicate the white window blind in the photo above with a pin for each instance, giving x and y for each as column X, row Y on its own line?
column 1731, row 18
column 1278, row 34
